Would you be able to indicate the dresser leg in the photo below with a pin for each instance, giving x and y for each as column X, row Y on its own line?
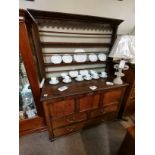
column 124, row 119
column 51, row 139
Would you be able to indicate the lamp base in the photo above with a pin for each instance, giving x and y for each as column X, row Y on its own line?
column 118, row 80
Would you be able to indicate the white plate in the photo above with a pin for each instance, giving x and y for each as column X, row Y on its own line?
column 92, row 57
column 73, row 73
column 56, row 59
column 102, row 57
column 80, row 57
column 67, row 58
column 79, row 50
column 83, row 72
column 55, row 82
column 67, row 81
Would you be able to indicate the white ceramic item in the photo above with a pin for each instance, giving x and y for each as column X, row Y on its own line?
column 95, row 76
column 80, row 57
column 56, row 59
column 92, row 57
column 53, row 80
column 73, row 73
column 64, row 74
column 88, row 77
column 102, row 57
column 67, row 80
column 83, row 72
column 67, row 58
column 79, row 78
column 103, row 74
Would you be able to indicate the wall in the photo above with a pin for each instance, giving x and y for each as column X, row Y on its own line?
column 105, row 8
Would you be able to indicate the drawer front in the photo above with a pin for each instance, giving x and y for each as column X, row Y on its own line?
column 104, row 117
column 111, row 108
column 89, row 102
column 112, row 97
column 68, row 120
column 68, row 129
column 62, row 108
column 105, row 110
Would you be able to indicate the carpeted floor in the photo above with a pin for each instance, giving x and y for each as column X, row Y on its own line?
column 104, row 139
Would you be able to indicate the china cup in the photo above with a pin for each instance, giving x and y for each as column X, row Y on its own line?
column 79, row 78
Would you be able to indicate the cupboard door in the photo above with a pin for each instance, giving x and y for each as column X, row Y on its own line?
column 62, row 108
column 89, row 102
column 112, row 97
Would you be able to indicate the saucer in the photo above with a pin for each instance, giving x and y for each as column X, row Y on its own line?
column 83, row 72
column 55, row 82
column 67, row 81
column 88, row 78
column 77, row 79
column 105, row 76
column 95, row 77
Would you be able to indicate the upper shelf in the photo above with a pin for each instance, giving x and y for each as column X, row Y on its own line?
column 71, row 45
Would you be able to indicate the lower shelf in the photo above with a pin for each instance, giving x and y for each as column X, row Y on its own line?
column 28, row 126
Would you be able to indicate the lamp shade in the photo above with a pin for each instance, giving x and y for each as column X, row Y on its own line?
column 124, row 47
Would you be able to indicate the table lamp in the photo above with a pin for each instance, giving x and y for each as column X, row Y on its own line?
column 122, row 50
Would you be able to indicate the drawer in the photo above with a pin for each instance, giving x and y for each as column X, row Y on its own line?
column 106, row 109
column 112, row 97
column 96, row 113
column 102, row 118
column 111, row 108
column 68, row 120
column 62, row 108
column 68, row 129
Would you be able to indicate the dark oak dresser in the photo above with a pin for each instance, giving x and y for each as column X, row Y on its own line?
column 79, row 106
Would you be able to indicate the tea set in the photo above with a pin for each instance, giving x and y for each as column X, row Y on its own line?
column 79, row 76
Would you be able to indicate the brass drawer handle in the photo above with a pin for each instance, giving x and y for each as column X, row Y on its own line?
column 70, row 129
column 71, row 120
column 90, row 93
column 103, row 111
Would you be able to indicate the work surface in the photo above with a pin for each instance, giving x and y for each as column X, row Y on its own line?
column 75, row 88
column 104, row 139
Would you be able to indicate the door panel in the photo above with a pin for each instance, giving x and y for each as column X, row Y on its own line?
column 89, row 102
column 62, row 108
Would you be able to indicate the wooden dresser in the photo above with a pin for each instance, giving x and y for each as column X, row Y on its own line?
column 79, row 107
column 62, row 34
